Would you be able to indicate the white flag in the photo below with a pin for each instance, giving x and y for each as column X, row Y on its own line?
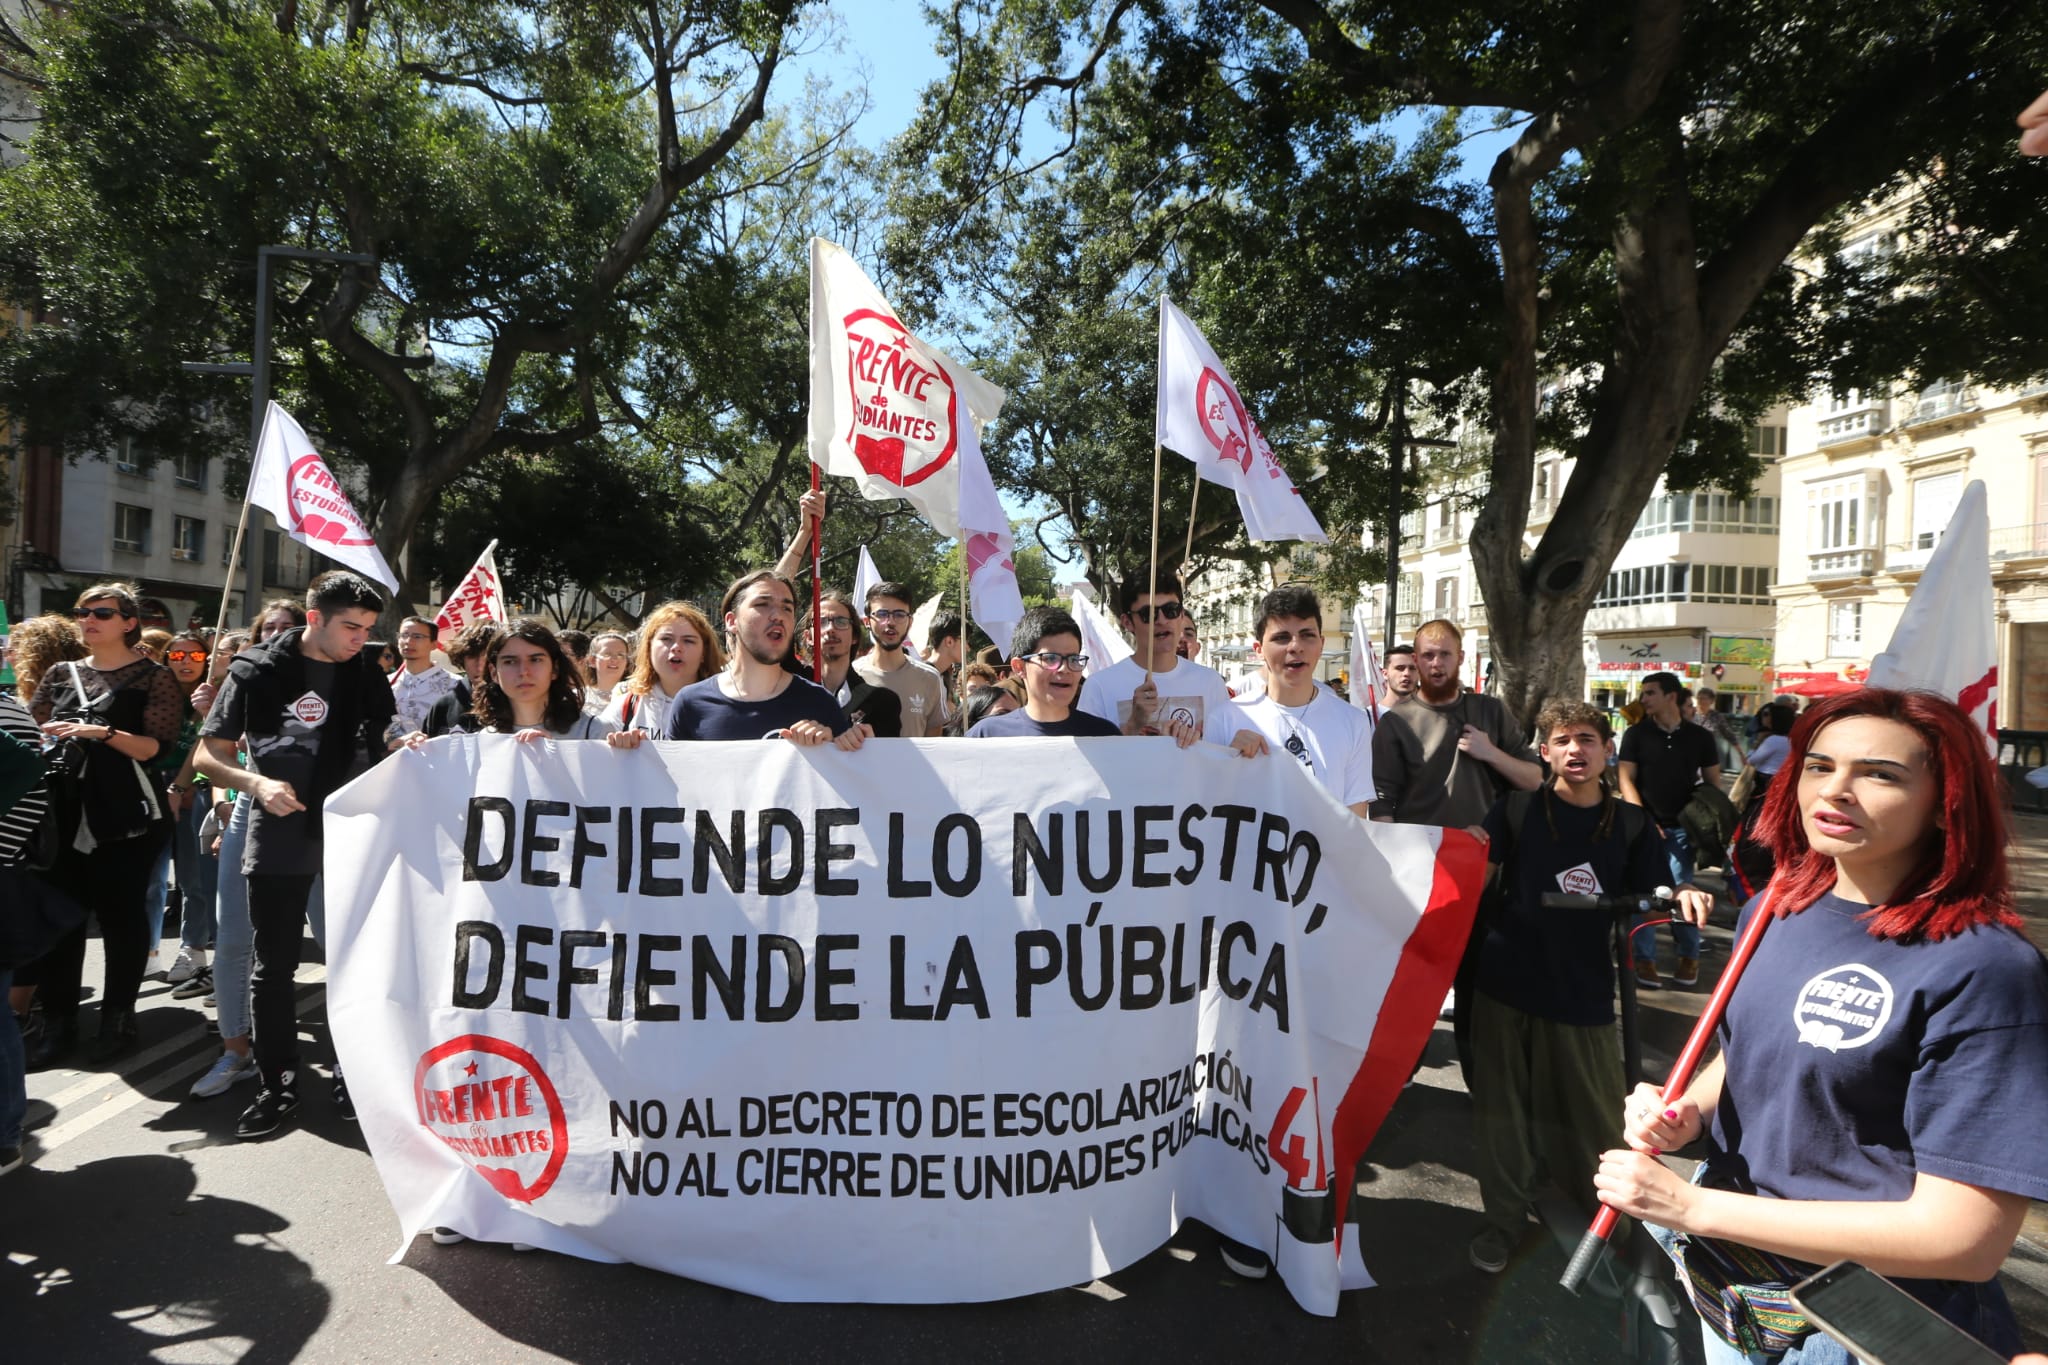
column 887, row 411
column 998, row 605
column 865, row 576
column 480, row 596
column 1201, row 416
column 1947, row 640
column 921, row 622
column 1101, row 641
column 290, row 481
column 1368, row 683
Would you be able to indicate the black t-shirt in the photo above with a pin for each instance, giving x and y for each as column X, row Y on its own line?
column 450, row 714
column 703, row 711
column 1559, row 964
column 280, row 844
column 1018, row 724
column 1668, row 764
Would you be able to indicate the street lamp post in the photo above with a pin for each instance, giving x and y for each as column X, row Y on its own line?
column 257, row 369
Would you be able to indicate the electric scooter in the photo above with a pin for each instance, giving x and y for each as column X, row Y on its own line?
column 1637, row 1276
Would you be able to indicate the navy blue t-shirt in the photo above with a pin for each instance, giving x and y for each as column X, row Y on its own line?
column 1559, row 964
column 703, row 711
column 1854, row 1062
column 1018, row 724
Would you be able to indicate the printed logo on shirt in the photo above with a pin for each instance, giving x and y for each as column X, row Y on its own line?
column 1579, row 881
column 310, row 709
column 1171, row 709
column 1844, row 1006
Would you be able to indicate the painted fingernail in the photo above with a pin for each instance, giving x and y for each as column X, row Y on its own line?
column 1671, row 1116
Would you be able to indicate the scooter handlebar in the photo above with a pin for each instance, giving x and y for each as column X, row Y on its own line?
column 1588, row 1254
column 1658, row 899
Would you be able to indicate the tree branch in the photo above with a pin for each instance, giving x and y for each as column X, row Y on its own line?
column 1365, row 73
column 1031, row 86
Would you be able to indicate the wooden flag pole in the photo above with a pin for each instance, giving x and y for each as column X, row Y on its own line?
column 817, row 590
column 220, row 624
column 1194, row 501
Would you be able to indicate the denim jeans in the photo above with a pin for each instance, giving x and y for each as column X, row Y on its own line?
column 196, row 877
column 13, row 1072
column 234, row 934
column 1685, row 938
column 158, row 899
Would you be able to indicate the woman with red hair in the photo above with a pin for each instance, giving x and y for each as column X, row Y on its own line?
column 1882, row 1090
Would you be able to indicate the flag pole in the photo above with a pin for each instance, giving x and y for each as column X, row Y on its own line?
column 1194, row 500
column 1153, row 589
column 220, row 624
column 817, row 590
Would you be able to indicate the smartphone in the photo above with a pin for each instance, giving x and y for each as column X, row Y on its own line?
column 1882, row 1323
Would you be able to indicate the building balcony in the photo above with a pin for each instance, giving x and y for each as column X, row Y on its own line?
column 1935, row 404
column 1838, row 564
column 2019, row 542
column 1442, row 535
column 1542, row 510
column 1855, row 425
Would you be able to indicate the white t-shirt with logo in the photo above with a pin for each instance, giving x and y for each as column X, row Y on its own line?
column 1334, row 737
column 1189, row 691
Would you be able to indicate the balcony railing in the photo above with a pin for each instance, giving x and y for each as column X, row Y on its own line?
column 1840, row 564
column 1935, row 405
column 2020, row 542
column 1541, row 510
column 1443, row 535
column 1850, row 426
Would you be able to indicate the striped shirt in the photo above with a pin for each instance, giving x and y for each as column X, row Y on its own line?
column 18, row 821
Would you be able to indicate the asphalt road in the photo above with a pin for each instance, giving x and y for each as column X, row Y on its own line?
column 143, row 1230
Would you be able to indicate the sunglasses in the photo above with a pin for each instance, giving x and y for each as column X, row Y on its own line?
column 1168, row 611
column 178, row 656
column 1056, row 661
column 97, row 613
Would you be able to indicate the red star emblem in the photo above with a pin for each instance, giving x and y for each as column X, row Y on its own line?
column 469, row 1070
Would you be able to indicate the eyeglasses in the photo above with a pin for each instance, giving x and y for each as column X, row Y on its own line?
column 889, row 614
column 835, row 623
column 178, row 656
column 1056, row 661
column 1168, row 611
column 97, row 613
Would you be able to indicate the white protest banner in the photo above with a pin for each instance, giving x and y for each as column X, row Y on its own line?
column 480, row 596
column 290, row 481
column 931, row 1022
column 1947, row 638
column 1201, row 416
column 887, row 410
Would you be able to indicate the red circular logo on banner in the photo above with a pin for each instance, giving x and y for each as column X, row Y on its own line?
column 903, row 423
column 494, row 1106
column 319, row 505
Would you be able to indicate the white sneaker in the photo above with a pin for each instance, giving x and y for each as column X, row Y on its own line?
column 225, row 1072
column 1449, row 1007
column 447, row 1237
column 191, row 962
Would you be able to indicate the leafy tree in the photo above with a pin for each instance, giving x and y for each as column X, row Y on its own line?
column 1618, row 286
column 528, row 176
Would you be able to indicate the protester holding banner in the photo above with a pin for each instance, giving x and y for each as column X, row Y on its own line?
column 419, row 682
column 1546, row 1071
column 839, row 640
column 469, row 649
column 755, row 697
column 1046, row 653
column 121, row 710
column 314, row 713
column 533, row 691
column 1305, row 723
column 678, row 649
column 892, row 664
column 1883, row 1078
column 1155, row 691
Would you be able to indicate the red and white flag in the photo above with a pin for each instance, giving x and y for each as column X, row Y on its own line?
column 1201, row 416
column 480, row 596
column 1947, row 639
column 290, row 481
column 887, row 411
column 1368, row 683
column 997, row 603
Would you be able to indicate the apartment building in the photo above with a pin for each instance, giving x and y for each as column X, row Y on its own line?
column 1871, row 481
column 1224, row 600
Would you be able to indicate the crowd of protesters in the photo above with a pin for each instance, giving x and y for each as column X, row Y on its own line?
column 192, row 769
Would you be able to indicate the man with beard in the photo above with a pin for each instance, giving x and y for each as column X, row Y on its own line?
column 890, row 664
column 839, row 636
column 755, row 697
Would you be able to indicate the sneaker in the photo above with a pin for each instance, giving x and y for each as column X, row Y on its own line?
column 229, row 1069
column 201, row 983
column 524, row 1246
column 1688, row 973
column 1449, row 1006
column 343, row 1105
column 211, row 1001
column 1250, row 1262
column 191, row 962
column 1646, row 975
column 1490, row 1250
column 273, row 1105
column 10, row 1159
column 447, row 1237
